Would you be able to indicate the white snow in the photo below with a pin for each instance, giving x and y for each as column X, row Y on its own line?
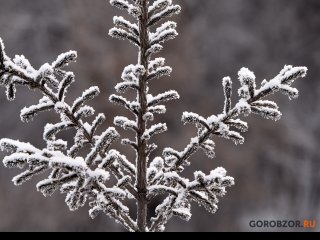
column 60, row 107
column 163, row 36
column 287, row 73
column 87, row 127
column 169, row 11
column 188, row 117
column 156, row 63
column 65, row 58
column 16, row 160
column 160, row 72
column 153, row 130
column 75, row 163
column 125, row 123
column 243, row 107
column 16, row 146
column 121, row 22
column 24, row 63
column 157, row 163
column 159, row 5
column 116, row 192
column 163, row 97
column 28, row 113
column 159, row 109
column 154, row 49
column 99, row 174
column 245, row 75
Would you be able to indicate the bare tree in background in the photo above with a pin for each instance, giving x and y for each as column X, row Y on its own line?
column 85, row 171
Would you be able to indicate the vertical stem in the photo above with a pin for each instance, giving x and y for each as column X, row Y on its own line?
column 142, row 97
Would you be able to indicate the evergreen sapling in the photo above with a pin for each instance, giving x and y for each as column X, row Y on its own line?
column 85, row 178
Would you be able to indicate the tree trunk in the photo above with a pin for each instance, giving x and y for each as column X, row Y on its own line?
column 142, row 145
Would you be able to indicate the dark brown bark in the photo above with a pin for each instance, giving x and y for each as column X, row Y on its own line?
column 142, row 144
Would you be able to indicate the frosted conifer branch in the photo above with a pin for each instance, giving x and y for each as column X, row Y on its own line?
column 66, row 168
column 251, row 101
column 169, row 11
column 65, row 59
column 85, row 177
column 28, row 113
column 159, row 5
column 121, row 22
column 125, row 5
column 227, row 87
column 164, row 33
column 123, row 34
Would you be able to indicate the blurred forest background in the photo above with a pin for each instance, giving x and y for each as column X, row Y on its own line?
column 277, row 170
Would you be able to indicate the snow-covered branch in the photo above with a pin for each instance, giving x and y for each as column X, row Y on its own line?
column 69, row 172
column 83, row 171
column 251, row 101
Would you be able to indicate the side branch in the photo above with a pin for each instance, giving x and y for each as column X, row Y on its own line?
column 251, row 102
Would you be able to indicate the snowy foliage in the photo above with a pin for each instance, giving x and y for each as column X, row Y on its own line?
column 85, row 177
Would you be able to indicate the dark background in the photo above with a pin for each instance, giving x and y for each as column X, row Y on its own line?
column 277, row 170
